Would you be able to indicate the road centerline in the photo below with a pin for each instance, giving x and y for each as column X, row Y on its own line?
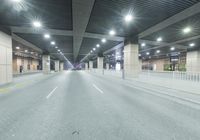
column 51, row 93
column 97, row 88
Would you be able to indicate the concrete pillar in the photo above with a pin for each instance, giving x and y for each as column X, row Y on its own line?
column 131, row 60
column 193, row 61
column 100, row 63
column 57, row 65
column 61, row 66
column 46, row 64
column 90, row 65
column 86, row 66
column 107, row 66
column 6, row 72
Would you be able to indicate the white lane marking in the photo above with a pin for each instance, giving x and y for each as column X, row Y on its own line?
column 51, row 93
column 97, row 88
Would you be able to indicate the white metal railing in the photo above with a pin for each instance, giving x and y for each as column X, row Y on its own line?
column 187, row 76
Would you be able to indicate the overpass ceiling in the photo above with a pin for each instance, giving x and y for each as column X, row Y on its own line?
column 105, row 15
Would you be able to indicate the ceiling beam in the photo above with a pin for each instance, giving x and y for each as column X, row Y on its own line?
column 172, row 20
column 81, row 11
column 100, row 36
column 176, row 43
column 114, row 48
column 26, row 43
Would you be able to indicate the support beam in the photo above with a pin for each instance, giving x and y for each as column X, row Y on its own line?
column 26, row 43
column 172, row 20
column 174, row 43
column 81, row 14
column 114, row 48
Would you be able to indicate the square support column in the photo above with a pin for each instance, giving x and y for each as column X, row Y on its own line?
column 90, row 65
column 61, row 66
column 57, row 65
column 193, row 61
column 46, row 64
column 131, row 61
column 107, row 66
column 86, row 66
column 6, row 72
column 100, row 63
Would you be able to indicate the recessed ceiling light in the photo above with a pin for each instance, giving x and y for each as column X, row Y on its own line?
column 159, row 39
column 172, row 48
column 47, row 36
column 192, row 44
column 91, row 51
column 103, row 40
column 94, row 49
column 56, row 47
column 53, row 42
column 128, row 18
column 59, row 50
column 98, row 45
column 187, row 30
column 17, row 48
column 26, row 51
column 17, row 1
column 147, row 53
column 143, row 44
column 158, row 51
column 37, row 24
column 112, row 32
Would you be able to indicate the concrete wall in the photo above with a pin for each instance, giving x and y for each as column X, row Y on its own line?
column 193, row 61
column 21, row 61
column 5, row 58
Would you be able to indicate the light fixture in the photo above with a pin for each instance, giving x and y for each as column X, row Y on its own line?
column 17, row 48
column 143, row 44
column 26, row 51
column 58, row 50
column 112, row 32
column 159, row 39
column 103, row 40
column 187, row 30
column 172, row 48
column 158, row 51
column 32, row 52
column 98, row 45
column 128, row 18
column 91, row 51
column 94, row 49
column 17, row 1
column 47, row 36
column 147, row 53
column 192, row 44
column 53, row 42
column 37, row 24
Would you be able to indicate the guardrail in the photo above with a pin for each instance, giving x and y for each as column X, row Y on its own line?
column 168, row 75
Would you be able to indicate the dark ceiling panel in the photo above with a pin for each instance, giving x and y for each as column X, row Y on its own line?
column 108, row 14
column 55, row 14
column 64, row 43
column 175, row 32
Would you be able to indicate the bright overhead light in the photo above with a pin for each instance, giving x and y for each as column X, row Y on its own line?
column 17, row 48
column 47, row 36
column 158, row 51
column 128, row 18
column 172, row 48
column 56, row 47
column 112, row 32
column 26, row 51
column 147, row 53
column 94, row 49
column 53, row 43
column 91, row 51
column 103, row 40
column 58, row 50
column 143, row 44
column 98, row 45
column 159, row 39
column 37, row 24
column 187, row 30
column 192, row 44
column 17, row 1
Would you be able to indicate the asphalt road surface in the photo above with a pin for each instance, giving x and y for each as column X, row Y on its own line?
column 82, row 106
